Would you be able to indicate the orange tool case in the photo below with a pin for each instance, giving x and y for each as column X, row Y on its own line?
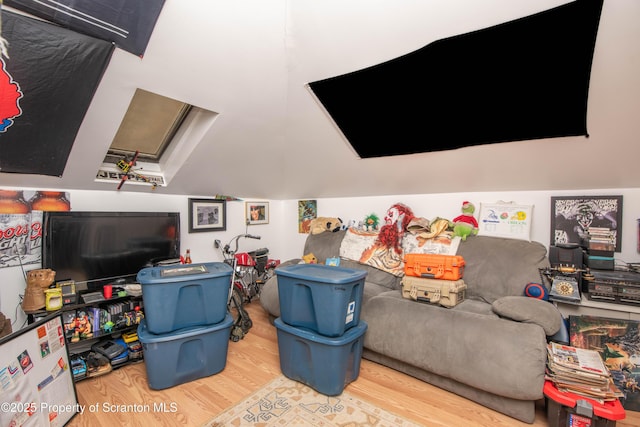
column 434, row 266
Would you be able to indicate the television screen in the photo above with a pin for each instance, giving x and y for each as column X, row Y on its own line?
column 100, row 247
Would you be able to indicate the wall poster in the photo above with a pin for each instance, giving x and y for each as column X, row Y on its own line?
column 505, row 219
column 36, row 376
column 307, row 210
column 21, row 223
column 571, row 218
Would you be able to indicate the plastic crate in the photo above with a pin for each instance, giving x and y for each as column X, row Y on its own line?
column 185, row 355
column 184, row 295
column 322, row 298
column 326, row 364
column 569, row 409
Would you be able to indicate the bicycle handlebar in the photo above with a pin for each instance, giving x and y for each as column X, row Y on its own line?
column 227, row 247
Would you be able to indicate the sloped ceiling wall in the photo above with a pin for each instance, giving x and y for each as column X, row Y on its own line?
column 251, row 62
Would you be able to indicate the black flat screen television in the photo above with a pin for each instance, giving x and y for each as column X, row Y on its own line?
column 97, row 248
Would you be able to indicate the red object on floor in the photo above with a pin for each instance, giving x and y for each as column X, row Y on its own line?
column 563, row 403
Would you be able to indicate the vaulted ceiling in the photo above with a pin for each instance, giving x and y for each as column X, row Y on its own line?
column 251, row 62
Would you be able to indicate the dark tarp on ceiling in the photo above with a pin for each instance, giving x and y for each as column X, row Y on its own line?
column 521, row 80
column 46, row 86
column 126, row 23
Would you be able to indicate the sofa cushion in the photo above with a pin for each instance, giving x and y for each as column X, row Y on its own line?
column 497, row 267
column 529, row 310
column 374, row 275
column 485, row 352
column 324, row 245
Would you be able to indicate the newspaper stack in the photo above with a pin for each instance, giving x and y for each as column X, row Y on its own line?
column 580, row 371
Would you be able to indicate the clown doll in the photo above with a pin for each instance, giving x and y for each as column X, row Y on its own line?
column 386, row 252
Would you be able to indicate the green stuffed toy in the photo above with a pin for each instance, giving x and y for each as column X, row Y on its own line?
column 465, row 225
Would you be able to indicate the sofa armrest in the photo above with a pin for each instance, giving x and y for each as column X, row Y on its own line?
column 529, row 310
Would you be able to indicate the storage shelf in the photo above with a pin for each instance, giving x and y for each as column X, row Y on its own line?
column 631, row 308
column 82, row 347
column 84, row 344
column 587, row 307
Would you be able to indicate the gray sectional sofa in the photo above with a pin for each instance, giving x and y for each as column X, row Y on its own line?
column 491, row 348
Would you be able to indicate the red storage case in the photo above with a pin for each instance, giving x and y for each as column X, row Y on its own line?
column 563, row 409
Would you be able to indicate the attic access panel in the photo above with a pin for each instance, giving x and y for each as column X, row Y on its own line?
column 521, row 80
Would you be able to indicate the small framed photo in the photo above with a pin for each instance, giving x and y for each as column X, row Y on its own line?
column 573, row 217
column 257, row 213
column 207, row 215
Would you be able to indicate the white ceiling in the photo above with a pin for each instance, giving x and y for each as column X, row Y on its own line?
column 250, row 61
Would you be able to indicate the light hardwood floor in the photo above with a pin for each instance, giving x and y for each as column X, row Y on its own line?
column 253, row 362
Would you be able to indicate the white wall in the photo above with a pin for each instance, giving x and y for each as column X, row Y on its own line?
column 448, row 206
column 281, row 234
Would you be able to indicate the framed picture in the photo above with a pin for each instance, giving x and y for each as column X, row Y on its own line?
column 207, row 215
column 571, row 218
column 307, row 211
column 257, row 213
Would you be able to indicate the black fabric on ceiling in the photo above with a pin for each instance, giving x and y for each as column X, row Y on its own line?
column 126, row 23
column 57, row 72
column 522, row 80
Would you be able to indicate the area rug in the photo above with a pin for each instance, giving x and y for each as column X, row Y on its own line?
column 284, row 402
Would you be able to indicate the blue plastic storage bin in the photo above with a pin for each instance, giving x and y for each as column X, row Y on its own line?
column 184, row 295
column 322, row 298
column 184, row 355
column 326, row 364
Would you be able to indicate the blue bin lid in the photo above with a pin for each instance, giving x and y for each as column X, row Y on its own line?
column 349, row 335
column 146, row 337
column 322, row 273
column 181, row 272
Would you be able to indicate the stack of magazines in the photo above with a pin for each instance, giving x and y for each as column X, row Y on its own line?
column 580, row 371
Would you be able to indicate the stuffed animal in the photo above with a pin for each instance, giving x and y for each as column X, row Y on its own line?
column 371, row 222
column 322, row 224
column 310, row 258
column 465, row 225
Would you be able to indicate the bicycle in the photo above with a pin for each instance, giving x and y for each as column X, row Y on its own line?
column 250, row 271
